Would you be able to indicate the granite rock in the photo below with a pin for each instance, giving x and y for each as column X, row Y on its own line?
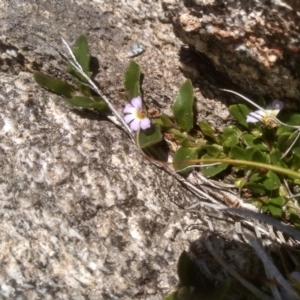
column 83, row 214
column 253, row 43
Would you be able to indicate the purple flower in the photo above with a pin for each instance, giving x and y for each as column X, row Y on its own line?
column 266, row 116
column 136, row 118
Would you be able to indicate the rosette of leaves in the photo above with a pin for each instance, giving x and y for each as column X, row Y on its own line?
column 78, row 93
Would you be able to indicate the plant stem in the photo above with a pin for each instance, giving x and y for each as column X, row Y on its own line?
column 276, row 169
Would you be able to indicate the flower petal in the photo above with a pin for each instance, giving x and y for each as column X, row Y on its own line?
column 251, row 119
column 255, row 116
column 274, row 108
column 272, row 113
column 276, row 105
column 137, row 102
column 145, row 123
column 135, row 124
column 129, row 118
column 129, row 108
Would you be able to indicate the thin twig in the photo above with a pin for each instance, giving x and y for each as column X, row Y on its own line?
column 197, row 166
column 119, row 120
column 288, row 150
column 269, row 220
column 95, row 88
column 269, row 265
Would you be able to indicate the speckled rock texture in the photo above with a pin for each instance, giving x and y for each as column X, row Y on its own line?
column 82, row 214
column 255, row 43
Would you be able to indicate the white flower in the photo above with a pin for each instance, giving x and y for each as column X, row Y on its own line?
column 136, row 118
column 266, row 116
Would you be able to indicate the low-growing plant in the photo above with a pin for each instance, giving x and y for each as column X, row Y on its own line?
column 78, row 93
column 194, row 284
column 258, row 152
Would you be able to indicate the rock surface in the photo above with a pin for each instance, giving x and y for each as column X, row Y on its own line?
column 254, row 43
column 83, row 214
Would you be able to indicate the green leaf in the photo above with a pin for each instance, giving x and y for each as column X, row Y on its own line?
column 272, row 182
column 213, row 150
column 185, row 293
column 295, row 163
column 283, row 191
column 282, row 140
column 84, row 89
column 248, row 139
column 259, row 156
column 80, row 50
column 252, row 141
column 213, row 170
column 186, row 143
column 285, row 141
column 257, row 188
column 181, row 137
column 291, row 119
column 294, row 217
column 181, row 158
column 230, row 136
column 263, row 205
column 171, row 296
column 296, row 151
column 240, row 183
column 163, row 121
column 275, row 157
column 238, row 153
column 132, row 79
column 59, row 87
column 257, row 132
column 149, row 137
column 256, row 176
column 186, row 270
column 183, row 106
column 258, row 202
column 249, row 152
column 207, row 130
column 282, row 129
column 275, row 206
column 240, row 112
column 86, row 102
